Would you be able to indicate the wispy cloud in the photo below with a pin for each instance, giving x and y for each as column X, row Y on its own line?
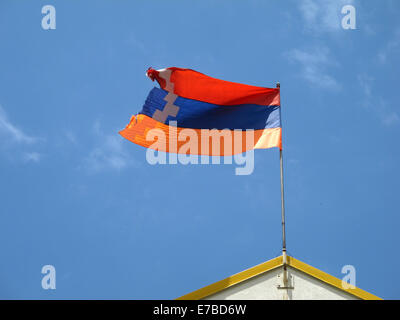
column 390, row 118
column 387, row 116
column 14, row 142
column 322, row 16
column 314, row 64
column 365, row 81
column 393, row 46
column 71, row 137
column 9, row 130
column 108, row 154
column 380, row 107
column 32, row 156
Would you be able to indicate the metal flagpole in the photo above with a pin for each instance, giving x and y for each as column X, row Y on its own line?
column 283, row 209
column 284, row 256
column 278, row 85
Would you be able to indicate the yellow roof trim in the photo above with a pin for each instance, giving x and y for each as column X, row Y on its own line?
column 327, row 278
column 270, row 265
column 232, row 280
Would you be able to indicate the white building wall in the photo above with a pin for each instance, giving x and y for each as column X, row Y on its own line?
column 265, row 287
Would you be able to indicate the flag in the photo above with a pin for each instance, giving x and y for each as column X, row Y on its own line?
column 193, row 113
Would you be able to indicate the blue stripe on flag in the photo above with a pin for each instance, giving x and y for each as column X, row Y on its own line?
column 201, row 115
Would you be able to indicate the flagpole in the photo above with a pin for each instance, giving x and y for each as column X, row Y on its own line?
column 283, row 206
column 278, row 85
column 284, row 256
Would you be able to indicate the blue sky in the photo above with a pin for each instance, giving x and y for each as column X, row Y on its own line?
column 76, row 195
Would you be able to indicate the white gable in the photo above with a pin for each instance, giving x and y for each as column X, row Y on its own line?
column 265, row 287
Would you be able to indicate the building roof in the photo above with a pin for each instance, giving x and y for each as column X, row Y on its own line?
column 270, row 265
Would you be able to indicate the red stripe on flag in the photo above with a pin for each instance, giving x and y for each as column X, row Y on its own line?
column 191, row 84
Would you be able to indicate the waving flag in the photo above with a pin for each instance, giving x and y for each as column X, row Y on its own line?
column 190, row 105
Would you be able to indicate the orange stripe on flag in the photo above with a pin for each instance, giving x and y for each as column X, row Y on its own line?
column 149, row 133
